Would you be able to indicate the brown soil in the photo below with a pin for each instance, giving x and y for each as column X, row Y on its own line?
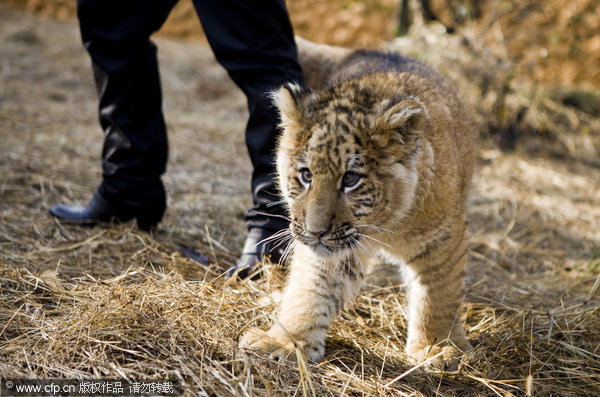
column 344, row 22
column 549, row 41
column 110, row 301
column 552, row 41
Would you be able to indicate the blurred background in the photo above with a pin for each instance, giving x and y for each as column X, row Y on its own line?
column 553, row 41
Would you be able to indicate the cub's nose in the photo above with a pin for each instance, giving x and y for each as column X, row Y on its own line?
column 317, row 232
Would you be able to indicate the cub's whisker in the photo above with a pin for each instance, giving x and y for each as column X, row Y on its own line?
column 379, row 229
column 366, row 251
column 374, row 239
column 255, row 212
column 278, row 235
column 288, row 251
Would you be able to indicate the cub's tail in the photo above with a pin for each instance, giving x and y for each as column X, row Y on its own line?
column 319, row 61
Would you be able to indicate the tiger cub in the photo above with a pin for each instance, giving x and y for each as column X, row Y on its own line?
column 374, row 163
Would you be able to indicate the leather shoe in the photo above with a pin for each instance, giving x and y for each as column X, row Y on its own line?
column 99, row 210
column 257, row 248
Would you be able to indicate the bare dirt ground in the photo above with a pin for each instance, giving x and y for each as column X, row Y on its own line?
column 118, row 303
column 550, row 41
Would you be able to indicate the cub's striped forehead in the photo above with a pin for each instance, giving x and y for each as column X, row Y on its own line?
column 338, row 125
column 334, row 134
column 334, row 146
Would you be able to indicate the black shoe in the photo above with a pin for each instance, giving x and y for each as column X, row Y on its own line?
column 99, row 210
column 257, row 247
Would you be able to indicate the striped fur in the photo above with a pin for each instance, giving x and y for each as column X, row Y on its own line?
column 375, row 163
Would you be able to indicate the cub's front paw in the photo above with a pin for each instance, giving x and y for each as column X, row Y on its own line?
column 277, row 347
column 442, row 357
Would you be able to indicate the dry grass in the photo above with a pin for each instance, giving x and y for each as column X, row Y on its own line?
column 150, row 324
column 116, row 302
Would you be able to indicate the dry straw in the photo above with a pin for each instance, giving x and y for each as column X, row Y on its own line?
column 151, row 324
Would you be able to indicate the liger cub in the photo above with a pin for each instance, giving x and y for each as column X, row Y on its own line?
column 374, row 163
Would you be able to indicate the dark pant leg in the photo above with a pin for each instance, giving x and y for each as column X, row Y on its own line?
column 116, row 34
column 254, row 41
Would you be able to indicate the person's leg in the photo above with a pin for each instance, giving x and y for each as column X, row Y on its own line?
column 117, row 36
column 254, row 41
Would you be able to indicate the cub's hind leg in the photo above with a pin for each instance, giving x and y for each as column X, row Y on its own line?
column 316, row 292
column 435, row 282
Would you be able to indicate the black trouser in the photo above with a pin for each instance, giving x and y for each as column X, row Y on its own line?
column 252, row 39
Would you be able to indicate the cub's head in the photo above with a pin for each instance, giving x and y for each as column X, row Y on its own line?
column 346, row 163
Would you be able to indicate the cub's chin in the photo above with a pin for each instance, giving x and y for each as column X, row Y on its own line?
column 322, row 251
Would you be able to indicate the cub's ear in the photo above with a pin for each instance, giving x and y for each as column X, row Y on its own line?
column 287, row 100
column 406, row 116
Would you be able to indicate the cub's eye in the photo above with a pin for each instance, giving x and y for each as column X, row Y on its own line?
column 306, row 176
column 350, row 179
